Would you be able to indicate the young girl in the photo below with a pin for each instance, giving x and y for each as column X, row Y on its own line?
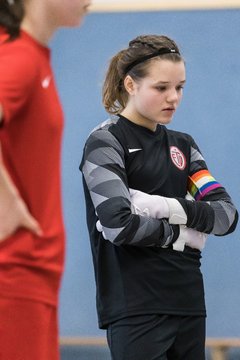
column 146, row 255
column 31, row 226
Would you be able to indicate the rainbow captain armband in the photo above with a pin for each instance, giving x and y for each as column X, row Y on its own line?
column 201, row 183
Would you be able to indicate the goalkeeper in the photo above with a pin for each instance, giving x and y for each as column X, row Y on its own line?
column 146, row 235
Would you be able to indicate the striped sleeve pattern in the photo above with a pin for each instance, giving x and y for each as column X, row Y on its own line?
column 213, row 212
column 104, row 173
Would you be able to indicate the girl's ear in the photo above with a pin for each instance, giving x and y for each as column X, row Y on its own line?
column 129, row 84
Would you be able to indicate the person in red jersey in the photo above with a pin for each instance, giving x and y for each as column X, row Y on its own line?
column 31, row 223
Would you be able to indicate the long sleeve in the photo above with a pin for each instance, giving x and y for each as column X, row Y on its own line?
column 213, row 212
column 105, row 179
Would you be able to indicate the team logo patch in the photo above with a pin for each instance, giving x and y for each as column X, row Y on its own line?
column 177, row 157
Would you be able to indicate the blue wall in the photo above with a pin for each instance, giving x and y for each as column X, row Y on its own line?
column 210, row 112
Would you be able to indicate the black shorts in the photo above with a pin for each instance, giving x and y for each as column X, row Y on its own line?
column 157, row 337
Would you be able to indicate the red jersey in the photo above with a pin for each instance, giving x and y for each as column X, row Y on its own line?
column 30, row 136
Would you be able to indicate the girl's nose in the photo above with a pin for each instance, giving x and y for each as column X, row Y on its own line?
column 173, row 96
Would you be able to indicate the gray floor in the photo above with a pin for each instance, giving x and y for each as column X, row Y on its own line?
column 84, row 353
column 102, row 353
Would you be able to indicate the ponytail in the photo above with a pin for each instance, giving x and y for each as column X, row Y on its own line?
column 11, row 15
column 114, row 95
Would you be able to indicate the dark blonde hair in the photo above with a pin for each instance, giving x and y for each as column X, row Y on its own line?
column 11, row 15
column 114, row 95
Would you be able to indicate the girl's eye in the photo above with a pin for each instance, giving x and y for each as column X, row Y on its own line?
column 164, row 88
column 161, row 88
column 180, row 87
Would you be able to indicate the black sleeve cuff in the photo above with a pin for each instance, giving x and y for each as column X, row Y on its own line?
column 200, row 215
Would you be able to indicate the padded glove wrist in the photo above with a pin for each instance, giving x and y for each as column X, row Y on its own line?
column 177, row 215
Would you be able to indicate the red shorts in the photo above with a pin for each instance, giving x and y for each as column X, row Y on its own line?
column 28, row 330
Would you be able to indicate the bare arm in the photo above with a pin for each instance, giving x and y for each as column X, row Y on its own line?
column 1, row 113
column 13, row 211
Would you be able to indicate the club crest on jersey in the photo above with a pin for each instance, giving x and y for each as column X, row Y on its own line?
column 177, row 157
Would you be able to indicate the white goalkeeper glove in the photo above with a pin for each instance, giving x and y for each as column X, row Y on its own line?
column 162, row 207
column 158, row 207
column 100, row 229
column 190, row 237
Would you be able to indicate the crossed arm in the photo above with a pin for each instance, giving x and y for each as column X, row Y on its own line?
column 106, row 183
column 218, row 217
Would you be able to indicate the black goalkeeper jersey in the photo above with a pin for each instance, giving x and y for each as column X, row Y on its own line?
column 134, row 274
